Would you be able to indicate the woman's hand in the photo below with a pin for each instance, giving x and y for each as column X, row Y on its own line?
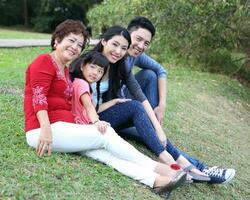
column 45, row 141
column 102, row 126
column 120, row 100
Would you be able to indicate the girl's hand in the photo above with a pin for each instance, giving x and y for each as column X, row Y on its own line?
column 102, row 126
column 45, row 141
column 120, row 100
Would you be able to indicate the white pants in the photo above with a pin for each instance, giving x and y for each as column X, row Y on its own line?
column 108, row 148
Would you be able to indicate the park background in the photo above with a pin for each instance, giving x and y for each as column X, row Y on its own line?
column 204, row 45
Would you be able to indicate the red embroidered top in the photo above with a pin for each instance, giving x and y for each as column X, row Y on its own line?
column 46, row 88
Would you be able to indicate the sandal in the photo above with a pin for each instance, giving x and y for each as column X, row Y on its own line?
column 195, row 177
column 164, row 191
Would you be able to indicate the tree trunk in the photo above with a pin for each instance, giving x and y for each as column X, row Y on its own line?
column 25, row 13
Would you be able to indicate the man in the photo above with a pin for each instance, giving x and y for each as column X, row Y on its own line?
column 153, row 81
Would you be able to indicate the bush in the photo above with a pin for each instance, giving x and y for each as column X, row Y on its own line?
column 196, row 29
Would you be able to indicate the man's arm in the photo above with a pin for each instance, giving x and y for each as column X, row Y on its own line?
column 161, row 108
column 146, row 62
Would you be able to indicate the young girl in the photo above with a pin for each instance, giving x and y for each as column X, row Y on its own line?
column 90, row 68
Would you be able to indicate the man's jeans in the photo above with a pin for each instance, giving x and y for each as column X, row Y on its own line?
column 149, row 83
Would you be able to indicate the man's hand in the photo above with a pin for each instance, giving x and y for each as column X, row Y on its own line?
column 159, row 113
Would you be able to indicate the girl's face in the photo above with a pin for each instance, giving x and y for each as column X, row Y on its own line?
column 70, row 47
column 115, row 48
column 92, row 73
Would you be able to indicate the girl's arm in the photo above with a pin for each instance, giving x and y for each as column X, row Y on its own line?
column 91, row 113
column 108, row 104
column 89, row 107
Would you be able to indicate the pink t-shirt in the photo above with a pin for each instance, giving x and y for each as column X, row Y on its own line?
column 80, row 87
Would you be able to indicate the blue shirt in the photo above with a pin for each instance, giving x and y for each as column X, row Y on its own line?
column 104, row 86
column 145, row 62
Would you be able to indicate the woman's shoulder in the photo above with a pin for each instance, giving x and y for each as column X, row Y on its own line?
column 42, row 58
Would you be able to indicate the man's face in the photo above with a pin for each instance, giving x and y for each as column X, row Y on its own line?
column 141, row 39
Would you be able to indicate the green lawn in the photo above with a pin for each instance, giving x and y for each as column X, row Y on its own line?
column 14, row 34
column 208, row 116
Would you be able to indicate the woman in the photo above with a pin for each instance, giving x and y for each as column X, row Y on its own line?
column 50, row 125
column 113, row 45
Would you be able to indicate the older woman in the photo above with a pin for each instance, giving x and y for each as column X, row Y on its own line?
column 49, row 122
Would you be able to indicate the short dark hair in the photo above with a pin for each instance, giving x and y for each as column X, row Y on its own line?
column 141, row 22
column 65, row 28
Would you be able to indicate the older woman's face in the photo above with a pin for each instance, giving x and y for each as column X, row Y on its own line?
column 115, row 48
column 70, row 47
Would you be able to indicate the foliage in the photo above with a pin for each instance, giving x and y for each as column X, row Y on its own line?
column 197, row 29
column 43, row 15
column 7, row 8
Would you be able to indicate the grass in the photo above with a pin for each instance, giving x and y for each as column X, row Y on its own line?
column 6, row 33
column 208, row 116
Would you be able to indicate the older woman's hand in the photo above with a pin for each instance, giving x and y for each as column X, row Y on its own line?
column 45, row 141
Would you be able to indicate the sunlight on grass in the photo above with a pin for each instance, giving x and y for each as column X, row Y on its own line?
column 14, row 34
column 208, row 116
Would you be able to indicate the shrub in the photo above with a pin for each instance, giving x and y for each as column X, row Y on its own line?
column 196, row 29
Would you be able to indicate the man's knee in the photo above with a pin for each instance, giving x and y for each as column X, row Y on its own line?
column 149, row 74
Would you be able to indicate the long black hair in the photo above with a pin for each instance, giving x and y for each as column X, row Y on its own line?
column 117, row 71
column 92, row 57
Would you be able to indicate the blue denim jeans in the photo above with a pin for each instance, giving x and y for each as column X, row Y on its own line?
column 132, row 113
column 149, row 83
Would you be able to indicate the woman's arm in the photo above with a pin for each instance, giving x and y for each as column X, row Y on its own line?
column 154, row 121
column 41, row 77
column 108, row 104
column 45, row 138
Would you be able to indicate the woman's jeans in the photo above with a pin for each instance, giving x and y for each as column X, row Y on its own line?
column 148, row 81
column 108, row 148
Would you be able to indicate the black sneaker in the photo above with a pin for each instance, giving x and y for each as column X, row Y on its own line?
column 219, row 175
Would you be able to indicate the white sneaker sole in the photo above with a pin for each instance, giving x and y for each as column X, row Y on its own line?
column 230, row 177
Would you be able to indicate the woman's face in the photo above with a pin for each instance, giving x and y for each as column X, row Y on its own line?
column 115, row 48
column 92, row 72
column 70, row 47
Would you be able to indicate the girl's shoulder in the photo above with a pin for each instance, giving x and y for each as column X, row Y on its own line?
column 81, row 82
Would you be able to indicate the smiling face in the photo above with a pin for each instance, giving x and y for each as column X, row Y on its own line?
column 141, row 39
column 115, row 48
column 69, row 48
column 92, row 73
